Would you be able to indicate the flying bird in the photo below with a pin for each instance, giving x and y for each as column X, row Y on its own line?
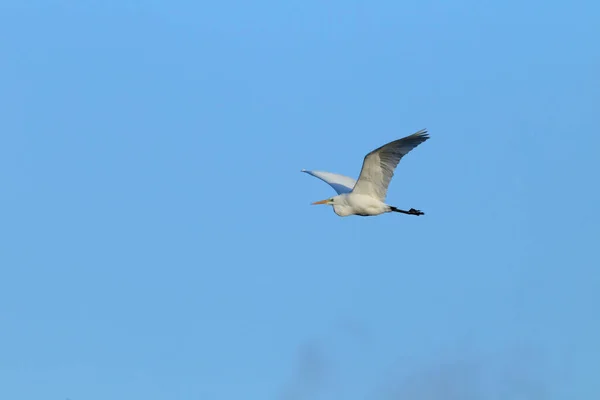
column 366, row 196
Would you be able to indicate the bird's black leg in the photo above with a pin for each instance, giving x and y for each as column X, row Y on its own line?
column 412, row 211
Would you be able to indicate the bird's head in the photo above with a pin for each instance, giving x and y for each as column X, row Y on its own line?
column 330, row 202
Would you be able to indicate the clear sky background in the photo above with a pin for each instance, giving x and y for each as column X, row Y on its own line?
column 157, row 238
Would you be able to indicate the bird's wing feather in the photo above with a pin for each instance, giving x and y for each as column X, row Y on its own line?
column 340, row 183
column 378, row 166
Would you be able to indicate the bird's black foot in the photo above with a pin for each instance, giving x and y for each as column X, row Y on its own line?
column 412, row 211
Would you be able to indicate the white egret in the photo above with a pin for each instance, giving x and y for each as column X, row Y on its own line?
column 366, row 196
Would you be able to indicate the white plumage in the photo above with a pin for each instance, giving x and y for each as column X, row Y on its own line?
column 340, row 183
column 367, row 195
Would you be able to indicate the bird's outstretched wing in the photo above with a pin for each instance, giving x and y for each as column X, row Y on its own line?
column 378, row 166
column 340, row 183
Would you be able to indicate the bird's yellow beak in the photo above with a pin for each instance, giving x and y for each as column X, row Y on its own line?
column 320, row 202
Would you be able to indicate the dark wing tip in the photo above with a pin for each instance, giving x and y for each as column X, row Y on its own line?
column 422, row 133
column 416, row 138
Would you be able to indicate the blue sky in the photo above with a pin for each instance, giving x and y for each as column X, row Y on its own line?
column 157, row 237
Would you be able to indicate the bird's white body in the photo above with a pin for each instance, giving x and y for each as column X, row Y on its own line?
column 358, row 204
column 366, row 196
